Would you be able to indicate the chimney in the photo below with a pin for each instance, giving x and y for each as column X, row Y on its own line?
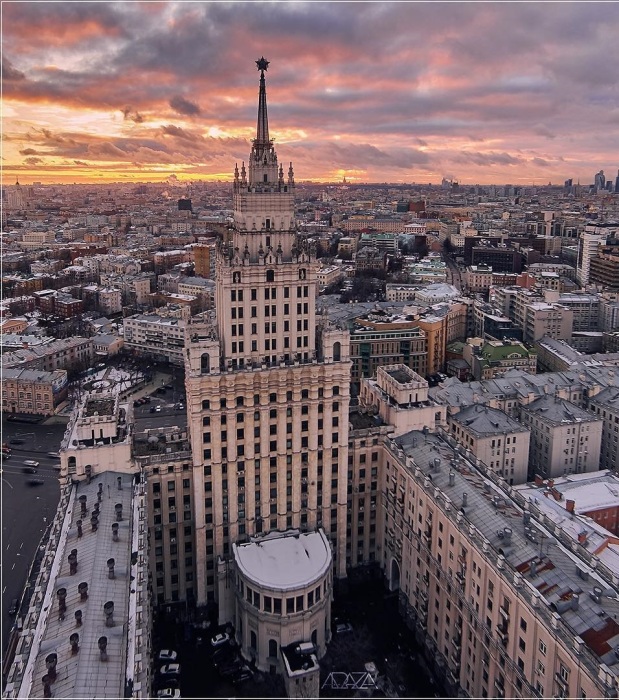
column 78, row 618
column 550, row 483
column 582, row 537
column 74, row 641
column 115, row 537
column 62, row 605
column 538, row 480
column 73, row 562
column 119, row 511
column 82, row 589
column 570, row 505
column 110, row 567
column 452, row 478
column 94, row 522
column 103, row 648
column 108, row 610
column 50, row 662
column 95, row 510
column 507, row 534
column 79, row 528
column 533, row 569
column 119, row 481
column 82, row 499
column 100, row 493
column 47, row 691
column 465, row 499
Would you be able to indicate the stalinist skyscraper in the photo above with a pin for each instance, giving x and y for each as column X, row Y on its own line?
column 267, row 385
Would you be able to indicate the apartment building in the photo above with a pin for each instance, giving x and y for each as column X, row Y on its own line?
column 478, row 278
column 68, row 353
column 32, row 391
column 498, row 441
column 267, row 403
column 380, row 338
column 155, row 335
column 494, row 357
column 605, row 405
column 565, row 439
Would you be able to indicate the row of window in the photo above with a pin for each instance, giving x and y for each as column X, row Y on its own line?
column 269, row 292
column 273, row 398
column 289, row 605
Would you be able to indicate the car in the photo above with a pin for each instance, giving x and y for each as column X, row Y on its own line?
column 343, row 627
column 170, row 670
column 242, row 676
column 169, row 693
column 219, row 639
column 31, row 463
column 146, row 399
column 167, row 655
column 35, row 482
column 55, row 455
column 17, row 441
column 29, row 470
column 5, row 454
column 136, row 403
column 14, row 607
column 157, row 409
column 222, row 655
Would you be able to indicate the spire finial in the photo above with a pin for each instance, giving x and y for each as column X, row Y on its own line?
column 262, row 133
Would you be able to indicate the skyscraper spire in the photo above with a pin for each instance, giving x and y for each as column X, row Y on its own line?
column 262, row 132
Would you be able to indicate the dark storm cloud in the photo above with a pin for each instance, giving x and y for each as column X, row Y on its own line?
column 182, row 106
column 385, row 78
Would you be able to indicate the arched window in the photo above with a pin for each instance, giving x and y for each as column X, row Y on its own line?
column 337, row 352
column 302, row 273
column 315, row 638
column 270, row 275
column 205, row 363
column 253, row 641
column 272, row 648
column 236, row 277
column 72, row 464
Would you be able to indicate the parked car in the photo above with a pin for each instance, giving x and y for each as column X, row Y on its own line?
column 169, row 693
column 170, row 670
column 343, row 627
column 232, row 669
column 157, row 409
column 55, row 455
column 242, row 676
column 14, row 607
column 35, row 482
column 29, row 470
column 219, row 639
column 222, row 655
column 17, row 441
column 31, row 463
column 167, row 655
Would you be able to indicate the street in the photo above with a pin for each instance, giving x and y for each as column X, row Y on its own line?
column 26, row 510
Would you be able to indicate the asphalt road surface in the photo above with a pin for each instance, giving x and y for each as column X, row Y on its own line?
column 26, row 510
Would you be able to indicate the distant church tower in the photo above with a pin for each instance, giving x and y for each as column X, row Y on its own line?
column 267, row 394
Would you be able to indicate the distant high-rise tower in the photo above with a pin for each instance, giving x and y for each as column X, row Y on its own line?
column 617, row 183
column 267, row 386
column 600, row 181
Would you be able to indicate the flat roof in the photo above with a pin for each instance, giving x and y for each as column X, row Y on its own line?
column 284, row 561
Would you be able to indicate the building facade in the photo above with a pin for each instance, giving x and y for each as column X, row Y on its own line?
column 267, row 391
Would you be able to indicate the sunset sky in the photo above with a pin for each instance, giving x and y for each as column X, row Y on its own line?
column 515, row 93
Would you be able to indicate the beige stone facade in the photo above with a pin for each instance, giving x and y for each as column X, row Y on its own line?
column 267, row 389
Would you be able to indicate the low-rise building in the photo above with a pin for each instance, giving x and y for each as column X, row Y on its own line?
column 33, row 391
column 494, row 357
column 157, row 336
column 68, row 353
column 605, row 406
column 498, row 441
column 565, row 439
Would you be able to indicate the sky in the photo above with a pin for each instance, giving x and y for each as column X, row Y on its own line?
column 519, row 93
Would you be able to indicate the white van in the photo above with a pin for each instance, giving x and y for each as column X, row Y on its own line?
column 31, row 463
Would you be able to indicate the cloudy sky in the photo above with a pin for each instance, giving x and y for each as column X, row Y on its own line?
column 401, row 92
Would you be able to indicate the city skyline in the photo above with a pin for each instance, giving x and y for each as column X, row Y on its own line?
column 374, row 92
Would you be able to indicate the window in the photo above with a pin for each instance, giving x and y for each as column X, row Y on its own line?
column 542, row 647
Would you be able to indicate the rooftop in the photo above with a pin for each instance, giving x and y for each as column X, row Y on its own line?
column 284, row 561
column 484, row 420
column 543, row 567
column 556, row 410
